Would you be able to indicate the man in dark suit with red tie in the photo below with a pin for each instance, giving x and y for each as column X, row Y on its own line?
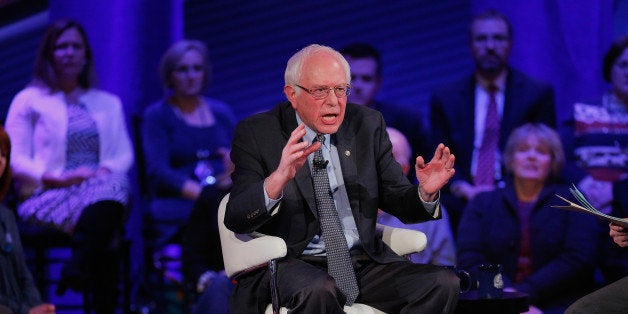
column 458, row 111
column 274, row 182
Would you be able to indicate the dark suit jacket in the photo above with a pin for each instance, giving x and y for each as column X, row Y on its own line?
column 452, row 114
column 411, row 122
column 372, row 177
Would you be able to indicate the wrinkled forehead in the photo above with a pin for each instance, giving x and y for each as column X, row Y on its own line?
column 323, row 69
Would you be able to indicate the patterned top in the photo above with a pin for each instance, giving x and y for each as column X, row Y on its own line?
column 61, row 207
column 82, row 136
column 601, row 138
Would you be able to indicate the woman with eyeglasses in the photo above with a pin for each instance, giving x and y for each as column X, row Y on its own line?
column 186, row 139
column 71, row 152
column 18, row 293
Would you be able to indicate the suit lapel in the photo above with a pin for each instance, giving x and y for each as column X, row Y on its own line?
column 346, row 146
column 513, row 106
column 303, row 177
column 467, row 113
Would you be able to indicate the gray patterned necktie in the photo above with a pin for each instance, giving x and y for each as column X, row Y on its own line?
column 339, row 263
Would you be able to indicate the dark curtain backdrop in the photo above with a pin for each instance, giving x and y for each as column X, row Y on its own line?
column 562, row 42
column 128, row 38
column 423, row 43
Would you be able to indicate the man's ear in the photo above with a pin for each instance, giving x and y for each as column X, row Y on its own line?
column 291, row 94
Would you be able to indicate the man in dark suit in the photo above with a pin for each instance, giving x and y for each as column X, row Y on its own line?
column 458, row 110
column 274, row 193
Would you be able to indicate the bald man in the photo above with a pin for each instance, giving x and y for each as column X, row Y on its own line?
column 440, row 248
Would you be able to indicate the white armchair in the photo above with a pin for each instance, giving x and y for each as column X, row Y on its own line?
column 245, row 252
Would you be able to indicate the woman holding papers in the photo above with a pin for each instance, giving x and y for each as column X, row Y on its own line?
column 612, row 298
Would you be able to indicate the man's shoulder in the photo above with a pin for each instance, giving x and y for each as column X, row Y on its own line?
column 401, row 117
column 360, row 120
column 393, row 107
column 359, row 112
column 460, row 84
column 518, row 77
column 361, row 108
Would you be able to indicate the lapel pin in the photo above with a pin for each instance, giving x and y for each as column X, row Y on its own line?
column 347, row 153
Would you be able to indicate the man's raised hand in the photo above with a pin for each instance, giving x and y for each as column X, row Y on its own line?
column 434, row 175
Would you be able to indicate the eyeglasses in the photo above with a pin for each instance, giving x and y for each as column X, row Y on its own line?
column 323, row 92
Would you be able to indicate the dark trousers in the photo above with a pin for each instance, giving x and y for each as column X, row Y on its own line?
column 95, row 253
column 612, row 298
column 400, row 287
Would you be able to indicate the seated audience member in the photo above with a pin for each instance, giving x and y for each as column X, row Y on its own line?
column 601, row 131
column 612, row 298
column 71, row 153
column 440, row 249
column 18, row 292
column 599, row 141
column 545, row 252
column 314, row 171
column 185, row 140
column 207, row 287
column 475, row 114
column 366, row 81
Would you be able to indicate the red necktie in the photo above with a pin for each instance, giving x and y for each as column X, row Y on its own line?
column 485, row 172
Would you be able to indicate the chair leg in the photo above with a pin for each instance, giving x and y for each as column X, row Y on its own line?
column 272, row 267
column 87, row 302
column 41, row 272
column 126, row 275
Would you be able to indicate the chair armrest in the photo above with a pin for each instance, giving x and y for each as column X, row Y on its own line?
column 242, row 252
column 403, row 241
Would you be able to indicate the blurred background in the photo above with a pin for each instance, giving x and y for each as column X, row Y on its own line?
column 424, row 43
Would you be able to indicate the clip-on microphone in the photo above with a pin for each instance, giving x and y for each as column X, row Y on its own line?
column 320, row 163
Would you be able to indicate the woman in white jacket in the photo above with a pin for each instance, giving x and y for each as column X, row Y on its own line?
column 70, row 157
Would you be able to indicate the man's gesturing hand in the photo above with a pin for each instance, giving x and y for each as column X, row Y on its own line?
column 293, row 156
column 435, row 174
